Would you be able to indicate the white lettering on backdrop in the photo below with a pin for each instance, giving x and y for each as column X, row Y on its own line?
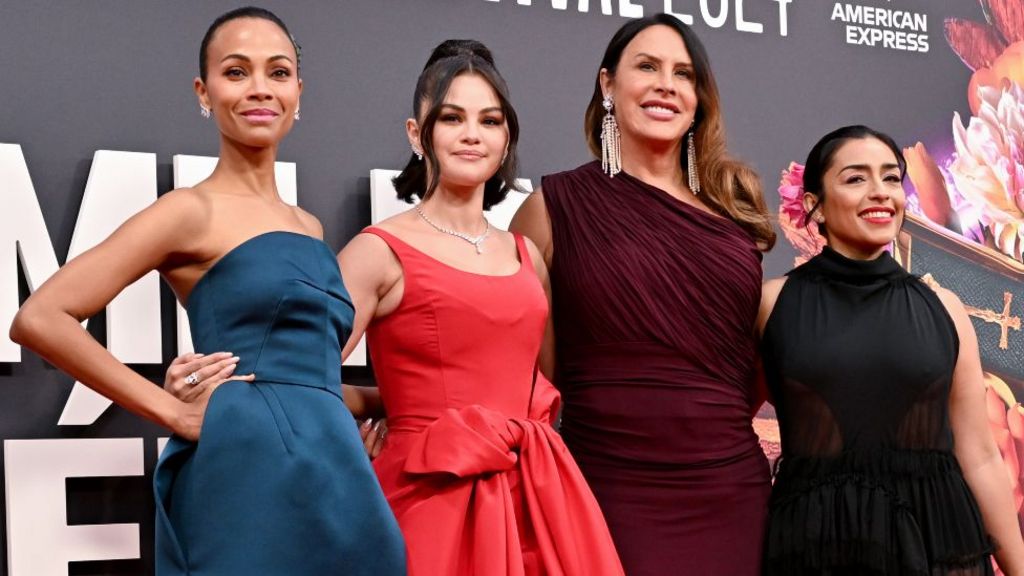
column 883, row 27
column 715, row 13
column 39, row 540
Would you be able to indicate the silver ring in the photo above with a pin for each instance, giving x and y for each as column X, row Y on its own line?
column 192, row 379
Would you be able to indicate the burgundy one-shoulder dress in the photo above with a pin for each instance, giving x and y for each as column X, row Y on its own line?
column 654, row 309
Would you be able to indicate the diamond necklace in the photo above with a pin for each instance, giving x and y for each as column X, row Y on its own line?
column 476, row 241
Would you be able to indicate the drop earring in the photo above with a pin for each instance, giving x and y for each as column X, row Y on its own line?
column 611, row 145
column 691, row 164
column 297, row 115
column 204, row 112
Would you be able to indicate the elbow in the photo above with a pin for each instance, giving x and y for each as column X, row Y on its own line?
column 26, row 326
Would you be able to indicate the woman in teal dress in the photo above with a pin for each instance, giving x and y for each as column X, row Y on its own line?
column 264, row 474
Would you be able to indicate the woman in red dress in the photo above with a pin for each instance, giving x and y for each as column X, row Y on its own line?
column 654, row 256
column 455, row 312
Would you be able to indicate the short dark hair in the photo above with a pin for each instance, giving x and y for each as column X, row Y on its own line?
column 243, row 12
column 819, row 160
column 450, row 59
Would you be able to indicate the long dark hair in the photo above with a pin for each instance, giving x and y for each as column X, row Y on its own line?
column 244, row 12
column 819, row 160
column 450, row 59
column 728, row 186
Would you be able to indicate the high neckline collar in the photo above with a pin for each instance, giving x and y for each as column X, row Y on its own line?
column 833, row 264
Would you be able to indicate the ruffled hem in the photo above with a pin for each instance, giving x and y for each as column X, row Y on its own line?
column 899, row 512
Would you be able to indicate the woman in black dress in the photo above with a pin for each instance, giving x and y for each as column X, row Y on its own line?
column 888, row 466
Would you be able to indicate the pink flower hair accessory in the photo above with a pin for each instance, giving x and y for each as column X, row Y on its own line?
column 791, row 193
column 792, row 216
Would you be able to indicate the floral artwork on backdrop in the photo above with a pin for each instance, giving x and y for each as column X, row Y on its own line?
column 965, row 218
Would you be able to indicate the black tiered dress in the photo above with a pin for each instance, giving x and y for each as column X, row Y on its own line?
column 859, row 357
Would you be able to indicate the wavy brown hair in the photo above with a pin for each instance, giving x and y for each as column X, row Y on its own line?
column 728, row 186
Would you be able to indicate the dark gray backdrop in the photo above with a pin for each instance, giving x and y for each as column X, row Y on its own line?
column 117, row 75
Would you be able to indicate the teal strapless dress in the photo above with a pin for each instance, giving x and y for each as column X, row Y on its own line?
column 278, row 484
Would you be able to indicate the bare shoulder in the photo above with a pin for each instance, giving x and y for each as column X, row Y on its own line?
column 182, row 216
column 399, row 223
column 310, row 223
column 769, row 295
column 947, row 296
column 536, row 258
column 534, row 204
column 191, row 203
column 366, row 245
column 532, row 220
column 367, row 251
column 771, row 288
column 951, row 301
column 369, row 266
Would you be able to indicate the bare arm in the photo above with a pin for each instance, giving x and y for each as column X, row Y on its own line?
column 532, row 221
column 769, row 295
column 50, row 320
column 975, row 448
column 546, row 359
column 372, row 274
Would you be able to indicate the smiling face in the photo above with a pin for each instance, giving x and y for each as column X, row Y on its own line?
column 252, row 84
column 470, row 134
column 863, row 198
column 653, row 88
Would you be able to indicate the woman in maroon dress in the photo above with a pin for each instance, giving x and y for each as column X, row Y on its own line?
column 654, row 258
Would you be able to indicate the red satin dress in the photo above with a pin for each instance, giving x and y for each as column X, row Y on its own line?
column 479, row 481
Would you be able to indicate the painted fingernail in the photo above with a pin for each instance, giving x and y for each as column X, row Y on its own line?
column 367, row 422
column 235, row 358
column 377, row 425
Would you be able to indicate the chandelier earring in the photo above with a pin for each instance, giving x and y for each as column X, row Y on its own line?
column 204, row 111
column 611, row 145
column 298, row 116
column 691, row 164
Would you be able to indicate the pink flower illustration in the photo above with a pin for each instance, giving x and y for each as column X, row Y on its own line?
column 1009, row 65
column 988, row 166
